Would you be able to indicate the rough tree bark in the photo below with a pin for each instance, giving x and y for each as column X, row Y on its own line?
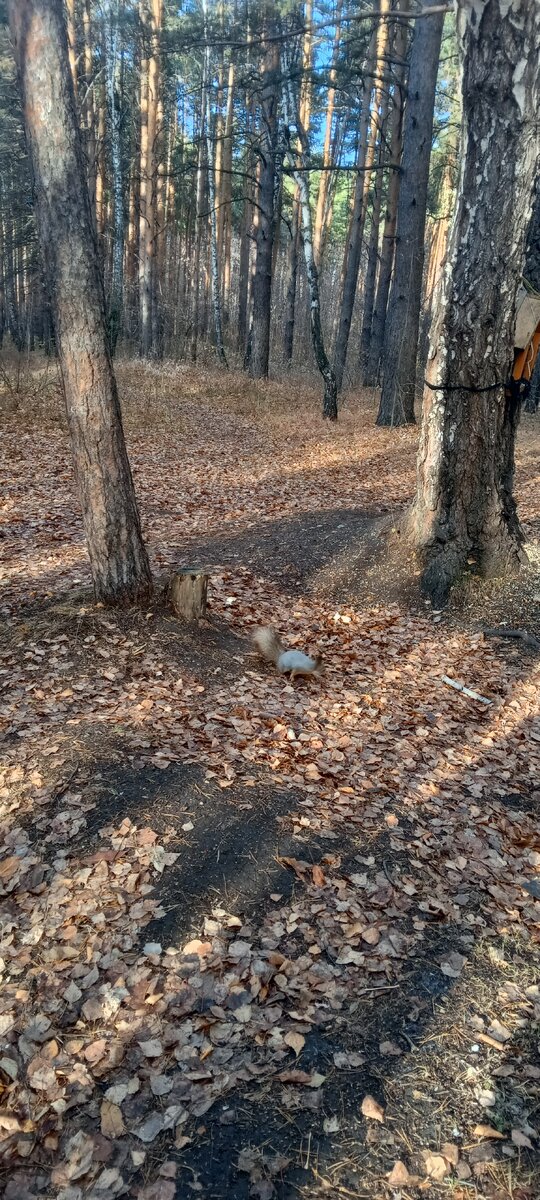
column 403, row 315
column 399, row 54
column 464, row 506
column 115, row 122
column 118, row 558
column 213, row 190
column 262, row 281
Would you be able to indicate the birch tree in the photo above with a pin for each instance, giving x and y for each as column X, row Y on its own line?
column 465, row 512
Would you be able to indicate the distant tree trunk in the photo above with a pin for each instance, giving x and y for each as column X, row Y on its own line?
column 323, row 196
column 294, row 242
column 151, row 13
column 290, row 292
column 118, row 558
column 370, row 280
column 214, row 262
column 403, row 316
column 115, row 121
column 369, row 127
column 464, row 508
column 399, row 48
column 262, row 281
column 301, row 179
column 199, row 197
column 226, row 195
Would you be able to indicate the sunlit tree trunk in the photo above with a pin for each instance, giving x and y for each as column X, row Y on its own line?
column 403, row 315
column 262, row 281
column 118, row 558
column 320, row 226
column 151, row 17
column 465, row 511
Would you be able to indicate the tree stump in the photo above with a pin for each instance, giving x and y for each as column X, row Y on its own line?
column 188, row 592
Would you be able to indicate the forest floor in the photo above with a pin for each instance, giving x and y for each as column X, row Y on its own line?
column 261, row 939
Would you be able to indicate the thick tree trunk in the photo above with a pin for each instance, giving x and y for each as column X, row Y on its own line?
column 403, row 316
column 464, row 507
column 262, row 281
column 369, row 128
column 118, row 558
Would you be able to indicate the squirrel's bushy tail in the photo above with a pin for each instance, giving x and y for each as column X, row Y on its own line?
column 268, row 644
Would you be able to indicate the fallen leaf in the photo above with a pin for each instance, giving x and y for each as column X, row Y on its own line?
column 436, row 1166
column 520, row 1139
column 197, row 947
column 112, row 1122
column 372, row 1109
column 399, row 1175
column 148, row 1130
column 295, row 1041
column 486, row 1131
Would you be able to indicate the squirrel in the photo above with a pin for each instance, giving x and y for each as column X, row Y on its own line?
column 270, row 646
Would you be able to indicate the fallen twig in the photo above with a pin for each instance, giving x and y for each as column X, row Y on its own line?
column 521, row 634
column 460, row 687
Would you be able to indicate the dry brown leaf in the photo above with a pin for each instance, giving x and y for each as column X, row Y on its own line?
column 486, row 1131
column 399, row 1175
column 372, row 1109
column 112, row 1121
column 436, row 1166
column 318, row 876
column 295, row 1041
column 197, row 947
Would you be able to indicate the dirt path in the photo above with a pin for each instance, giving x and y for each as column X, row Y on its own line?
column 259, row 939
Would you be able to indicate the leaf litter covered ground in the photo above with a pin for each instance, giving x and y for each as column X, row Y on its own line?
column 262, row 939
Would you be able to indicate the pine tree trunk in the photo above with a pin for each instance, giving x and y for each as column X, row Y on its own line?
column 464, row 508
column 368, row 137
column 399, row 50
column 214, row 261
column 118, row 558
column 199, row 197
column 262, row 281
column 115, row 120
column 403, row 315
column 320, row 226
column 151, row 15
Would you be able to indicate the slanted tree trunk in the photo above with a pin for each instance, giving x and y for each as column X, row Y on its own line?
column 262, row 281
column 118, row 558
column 465, row 508
column 403, row 316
